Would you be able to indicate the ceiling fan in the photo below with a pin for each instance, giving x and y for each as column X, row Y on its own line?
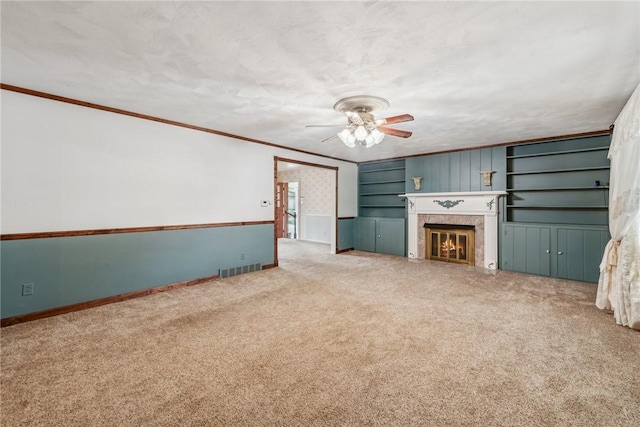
column 362, row 128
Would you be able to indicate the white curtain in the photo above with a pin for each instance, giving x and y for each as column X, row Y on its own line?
column 619, row 283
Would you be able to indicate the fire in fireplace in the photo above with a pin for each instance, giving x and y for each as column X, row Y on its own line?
column 450, row 243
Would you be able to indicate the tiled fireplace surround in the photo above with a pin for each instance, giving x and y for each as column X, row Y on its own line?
column 479, row 209
column 475, row 220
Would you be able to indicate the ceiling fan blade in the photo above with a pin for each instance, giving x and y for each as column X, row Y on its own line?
column 395, row 132
column 335, row 135
column 395, row 119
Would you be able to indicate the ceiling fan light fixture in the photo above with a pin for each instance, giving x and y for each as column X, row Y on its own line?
column 347, row 138
column 365, row 135
column 377, row 136
column 369, row 141
column 362, row 127
column 361, row 133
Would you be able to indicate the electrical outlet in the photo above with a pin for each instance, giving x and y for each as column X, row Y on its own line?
column 27, row 289
column 264, row 203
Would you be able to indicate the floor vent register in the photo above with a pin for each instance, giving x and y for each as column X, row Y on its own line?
column 234, row 271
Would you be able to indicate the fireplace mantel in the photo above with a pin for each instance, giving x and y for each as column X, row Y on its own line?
column 479, row 203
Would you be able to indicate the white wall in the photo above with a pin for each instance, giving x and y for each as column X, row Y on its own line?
column 67, row 167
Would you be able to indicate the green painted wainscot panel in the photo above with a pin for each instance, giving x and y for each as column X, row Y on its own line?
column 71, row 270
column 346, row 233
column 457, row 171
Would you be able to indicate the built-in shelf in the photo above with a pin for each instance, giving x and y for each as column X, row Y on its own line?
column 591, row 168
column 555, row 153
column 601, row 187
column 394, row 181
column 382, row 170
column 557, row 207
column 379, row 184
column 555, row 182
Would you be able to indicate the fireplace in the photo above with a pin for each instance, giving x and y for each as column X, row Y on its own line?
column 450, row 243
column 477, row 210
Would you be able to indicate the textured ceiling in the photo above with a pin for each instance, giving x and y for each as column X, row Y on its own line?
column 471, row 73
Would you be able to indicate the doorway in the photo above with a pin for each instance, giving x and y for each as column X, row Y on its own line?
column 305, row 208
column 293, row 200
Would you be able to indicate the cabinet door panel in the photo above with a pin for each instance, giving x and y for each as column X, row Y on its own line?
column 506, row 258
column 538, row 251
column 365, row 234
column 580, row 253
column 526, row 249
column 570, row 254
column 561, row 251
column 594, row 243
column 390, row 237
column 520, row 249
column 575, row 254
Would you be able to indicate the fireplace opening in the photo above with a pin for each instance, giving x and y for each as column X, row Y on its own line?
column 450, row 243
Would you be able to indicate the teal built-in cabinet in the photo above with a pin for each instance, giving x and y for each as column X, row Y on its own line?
column 381, row 222
column 556, row 212
column 566, row 252
column 382, row 235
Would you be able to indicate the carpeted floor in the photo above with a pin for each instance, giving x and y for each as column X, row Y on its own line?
column 353, row 339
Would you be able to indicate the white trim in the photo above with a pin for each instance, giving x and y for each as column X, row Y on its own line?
column 456, row 193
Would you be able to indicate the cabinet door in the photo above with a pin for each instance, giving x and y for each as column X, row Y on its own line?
column 580, row 253
column 390, row 237
column 538, row 251
column 365, row 234
column 526, row 249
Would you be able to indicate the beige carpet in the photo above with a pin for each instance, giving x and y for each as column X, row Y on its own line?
column 353, row 339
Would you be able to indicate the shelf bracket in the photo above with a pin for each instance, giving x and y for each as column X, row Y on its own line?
column 486, row 177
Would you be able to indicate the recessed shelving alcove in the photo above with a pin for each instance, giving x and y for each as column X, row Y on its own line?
column 379, row 185
column 556, row 183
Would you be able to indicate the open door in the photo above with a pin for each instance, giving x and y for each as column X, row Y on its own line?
column 282, row 200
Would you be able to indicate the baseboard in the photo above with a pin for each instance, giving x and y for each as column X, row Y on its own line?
column 339, row 251
column 101, row 301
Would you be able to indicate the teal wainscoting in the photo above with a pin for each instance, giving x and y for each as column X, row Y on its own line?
column 346, row 233
column 71, row 270
column 457, row 171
